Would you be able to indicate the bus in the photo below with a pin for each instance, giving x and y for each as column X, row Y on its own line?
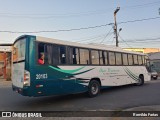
column 70, row 67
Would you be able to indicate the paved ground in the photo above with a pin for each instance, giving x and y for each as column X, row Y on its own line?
column 4, row 83
column 110, row 99
column 126, row 98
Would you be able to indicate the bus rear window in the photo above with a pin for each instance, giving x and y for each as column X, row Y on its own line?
column 19, row 50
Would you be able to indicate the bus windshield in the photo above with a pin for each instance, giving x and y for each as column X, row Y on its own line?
column 19, row 50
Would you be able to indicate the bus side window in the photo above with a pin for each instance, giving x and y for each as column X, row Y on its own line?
column 125, row 59
column 130, row 59
column 103, row 57
column 62, row 55
column 84, row 56
column 40, row 55
column 140, row 60
column 74, row 55
column 106, row 57
column 112, row 59
column 135, row 59
column 55, row 58
column 118, row 59
column 95, row 57
column 48, row 54
column 51, row 54
column 143, row 59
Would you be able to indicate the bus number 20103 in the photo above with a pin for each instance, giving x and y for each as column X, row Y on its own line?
column 41, row 76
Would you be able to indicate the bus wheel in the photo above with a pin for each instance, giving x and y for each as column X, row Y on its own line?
column 140, row 80
column 93, row 88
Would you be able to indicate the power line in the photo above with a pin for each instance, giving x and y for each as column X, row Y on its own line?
column 110, row 37
column 83, row 28
column 125, row 41
column 141, row 5
column 144, row 40
column 139, row 20
column 92, row 38
column 140, row 41
column 36, row 15
column 45, row 16
column 153, row 40
column 106, row 36
column 65, row 30
column 96, row 39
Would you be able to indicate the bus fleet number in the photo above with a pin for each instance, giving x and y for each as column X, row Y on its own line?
column 41, row 76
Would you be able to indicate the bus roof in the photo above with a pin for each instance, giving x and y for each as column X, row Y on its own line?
column 93, row 46
column 76, row 44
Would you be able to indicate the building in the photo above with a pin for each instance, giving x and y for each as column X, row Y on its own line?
column 5, row 61
column 153, row 54
column 155, row 61
column 143, row 50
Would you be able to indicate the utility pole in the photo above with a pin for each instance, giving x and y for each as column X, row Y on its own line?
column 115, row 25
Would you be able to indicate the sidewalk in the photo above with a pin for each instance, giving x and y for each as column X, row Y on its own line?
column 144, row 108
column 4, row 83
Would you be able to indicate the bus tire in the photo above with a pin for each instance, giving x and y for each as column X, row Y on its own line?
column 93, row 88
column 141, row 80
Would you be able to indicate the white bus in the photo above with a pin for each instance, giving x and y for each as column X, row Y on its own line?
column 43, row 67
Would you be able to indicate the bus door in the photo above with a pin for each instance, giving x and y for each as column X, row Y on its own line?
column 68, row 55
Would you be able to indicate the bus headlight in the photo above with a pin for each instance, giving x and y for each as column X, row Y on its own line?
column 26, row 81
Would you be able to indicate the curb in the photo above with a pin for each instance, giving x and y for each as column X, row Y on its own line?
column 144, row 108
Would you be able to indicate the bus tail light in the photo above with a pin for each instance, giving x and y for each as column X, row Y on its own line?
column 26, row 78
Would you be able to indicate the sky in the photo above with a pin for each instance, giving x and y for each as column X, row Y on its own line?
column 138, row 19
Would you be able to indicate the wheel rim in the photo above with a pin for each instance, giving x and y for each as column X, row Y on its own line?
column 140, row 80
column 94, row 89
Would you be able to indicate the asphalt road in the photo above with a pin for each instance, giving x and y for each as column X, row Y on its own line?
column 116, row 98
